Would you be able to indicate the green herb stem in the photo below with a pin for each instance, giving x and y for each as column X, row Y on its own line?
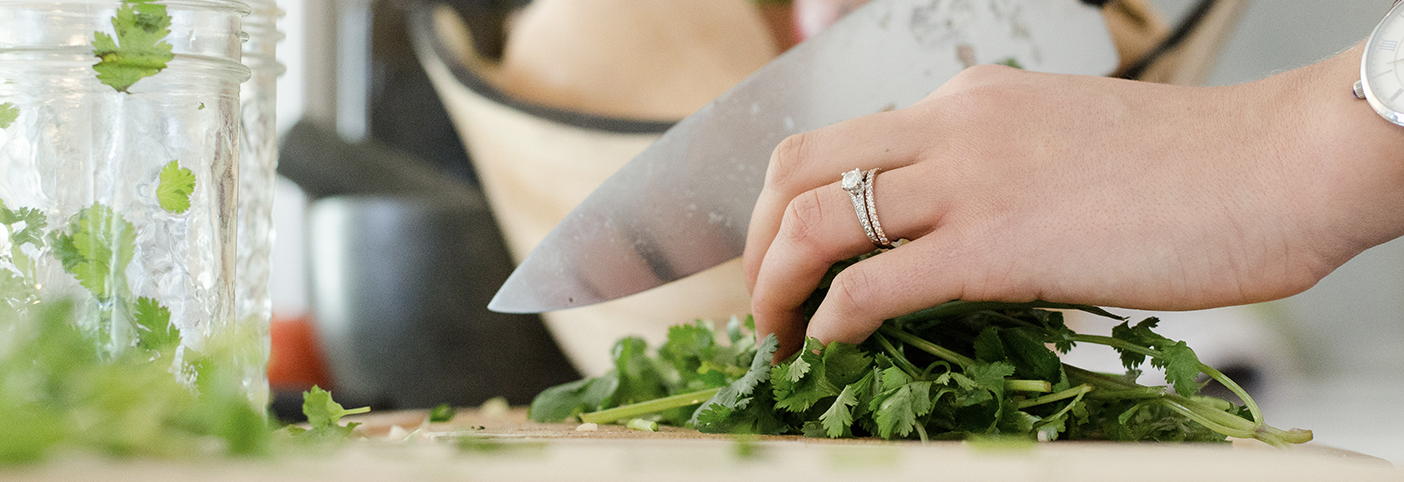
column 1257, row 429
column 1040, row 386
column 1236, row 389
column 1213, row 424
column 1141, row 393
column 1077, row 392
column 1208, row 416
column 1202, row 413
column 945, row 354
column 898, row 358
column 953, row 309
column 1101, row 380
column 642, row 425
column 1206, row 369
column 652, row 406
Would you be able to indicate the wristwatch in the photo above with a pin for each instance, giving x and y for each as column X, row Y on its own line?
column 1382, row 67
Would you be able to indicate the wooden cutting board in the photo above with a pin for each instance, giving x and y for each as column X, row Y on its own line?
column 504, row 446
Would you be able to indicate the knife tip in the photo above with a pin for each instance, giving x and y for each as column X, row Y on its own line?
column 501, row 305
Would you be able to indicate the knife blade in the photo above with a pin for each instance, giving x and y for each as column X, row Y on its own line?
column 684, row 203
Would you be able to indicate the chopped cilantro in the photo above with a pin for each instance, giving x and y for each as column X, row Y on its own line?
column 323, row 415
column 174, row 189
column 642, row 425
column 139, row 50
column 568, row 401
column 322, row 412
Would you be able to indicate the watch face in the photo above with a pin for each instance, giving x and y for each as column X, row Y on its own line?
column 1382, row 68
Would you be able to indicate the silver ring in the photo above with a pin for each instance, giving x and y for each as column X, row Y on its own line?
column 853, row 182
column 878, row 236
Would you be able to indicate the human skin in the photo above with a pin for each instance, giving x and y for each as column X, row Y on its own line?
column 1020, row 186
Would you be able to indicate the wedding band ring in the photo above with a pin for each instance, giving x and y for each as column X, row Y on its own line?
column 853, row 182
column 877, row 235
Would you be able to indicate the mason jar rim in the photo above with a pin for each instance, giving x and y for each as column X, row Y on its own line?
column 221, row 66
column 236, row 6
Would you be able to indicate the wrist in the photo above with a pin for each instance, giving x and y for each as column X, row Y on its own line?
column 1353, row 166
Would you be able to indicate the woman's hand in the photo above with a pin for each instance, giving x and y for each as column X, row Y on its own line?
column 1016, row 186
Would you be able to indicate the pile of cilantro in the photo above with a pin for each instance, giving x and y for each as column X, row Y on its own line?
column 59, row 393
column 959, row 370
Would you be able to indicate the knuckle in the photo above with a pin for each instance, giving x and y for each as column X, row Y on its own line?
column 983, row 73
column 787, row 160
column 804, row 220
column 850, row 292
column 974, row 76
column 975, row 112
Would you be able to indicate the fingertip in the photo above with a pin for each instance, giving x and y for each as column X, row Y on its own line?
column 848, row 313
column 789, row 331
column 828, row 329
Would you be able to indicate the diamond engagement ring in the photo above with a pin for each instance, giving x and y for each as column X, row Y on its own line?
column 853, row 182
column 859, row 185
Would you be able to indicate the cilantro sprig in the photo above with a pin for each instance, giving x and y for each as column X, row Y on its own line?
column 324, row 416
column 175, row 187
column 8, row 114
column 139, row 49
column 957, row 370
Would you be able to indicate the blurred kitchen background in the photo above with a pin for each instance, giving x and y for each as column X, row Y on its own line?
column 377, row 293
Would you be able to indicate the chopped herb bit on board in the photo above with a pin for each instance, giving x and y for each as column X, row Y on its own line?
column 442, row 413
column 323, row 415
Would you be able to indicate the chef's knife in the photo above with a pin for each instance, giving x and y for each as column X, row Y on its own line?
column 684, row 204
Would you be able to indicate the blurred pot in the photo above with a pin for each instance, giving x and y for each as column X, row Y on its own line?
column 400, row 286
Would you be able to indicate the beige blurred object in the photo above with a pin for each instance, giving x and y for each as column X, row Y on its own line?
column 635, row 59
column 1138, row 28
column 584, row 86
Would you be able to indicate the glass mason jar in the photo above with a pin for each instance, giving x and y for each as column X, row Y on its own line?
column 258, row 163
column 121, row 197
